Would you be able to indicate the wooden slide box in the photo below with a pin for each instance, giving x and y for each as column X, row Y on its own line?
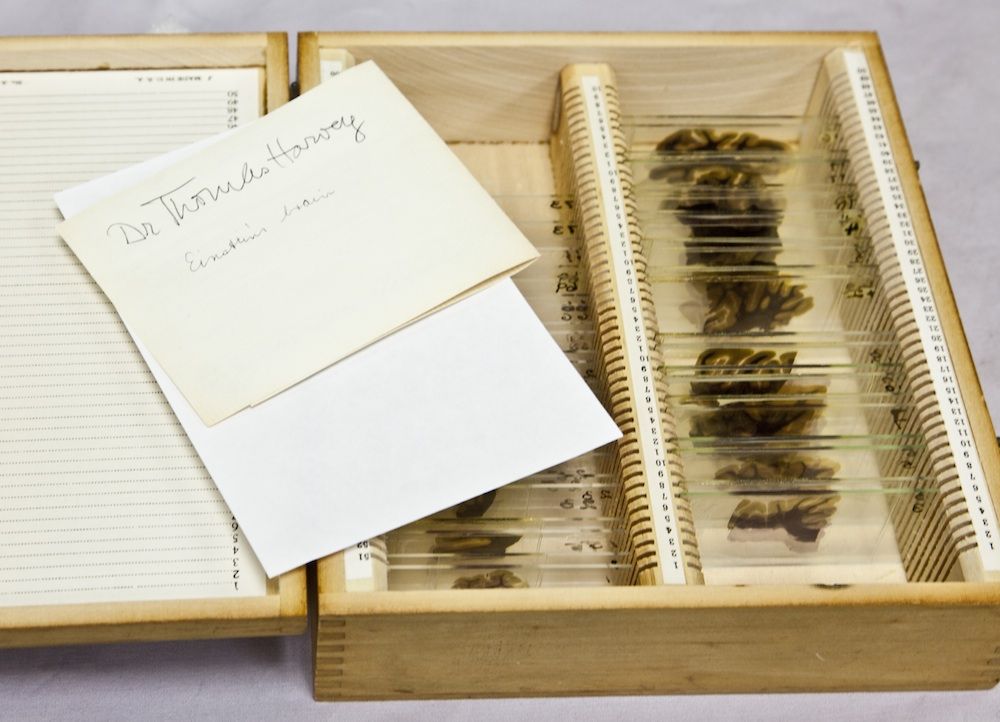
column 501, row 90
column 283, row 609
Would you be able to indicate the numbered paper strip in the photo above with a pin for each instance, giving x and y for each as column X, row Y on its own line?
column 949, row 397
column 330, row 68
column 662, row 509
column 358, row 563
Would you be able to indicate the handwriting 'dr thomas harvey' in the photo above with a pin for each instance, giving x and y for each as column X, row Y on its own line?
column 186, row 199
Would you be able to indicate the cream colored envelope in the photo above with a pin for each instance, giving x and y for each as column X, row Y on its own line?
column 296, row 241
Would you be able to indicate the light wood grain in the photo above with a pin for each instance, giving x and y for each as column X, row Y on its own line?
column 123, row 52
column 276, row 91
column 308, row 61
column 645, row 640
column 281, row 611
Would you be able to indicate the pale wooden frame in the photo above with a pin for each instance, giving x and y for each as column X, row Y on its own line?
column 651, row 639
column 283, row 609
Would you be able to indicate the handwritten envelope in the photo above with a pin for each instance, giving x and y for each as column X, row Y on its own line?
column 455, row 404
column 294, row 242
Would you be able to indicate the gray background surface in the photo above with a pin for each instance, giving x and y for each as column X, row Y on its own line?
column 944, row 66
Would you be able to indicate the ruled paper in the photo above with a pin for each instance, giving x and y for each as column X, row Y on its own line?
column 102, row 497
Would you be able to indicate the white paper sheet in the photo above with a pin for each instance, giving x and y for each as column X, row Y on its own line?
column 470, row 398
column 301, row 238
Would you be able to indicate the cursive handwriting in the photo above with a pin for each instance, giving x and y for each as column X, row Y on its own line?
column 186, row 199
column 179, row 208
column 132, row 234
column 279, row 155
column 194, row 263
column 305, row 203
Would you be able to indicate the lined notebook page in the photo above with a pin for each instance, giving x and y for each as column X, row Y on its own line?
column 102, row 497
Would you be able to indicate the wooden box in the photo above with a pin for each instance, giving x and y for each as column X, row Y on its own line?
column 282, row 610
column 496, row 98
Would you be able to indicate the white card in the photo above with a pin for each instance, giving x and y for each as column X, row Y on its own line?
column 294, row 242
column 465, row 400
